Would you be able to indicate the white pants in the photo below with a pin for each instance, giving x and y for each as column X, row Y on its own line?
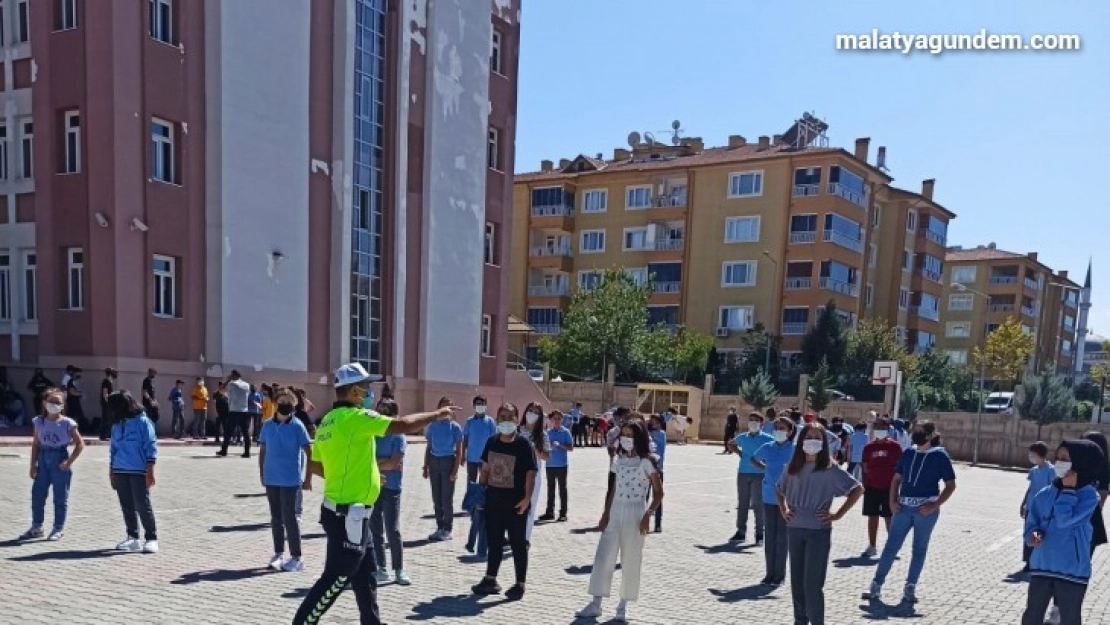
column 622, row 536
column 536, row 490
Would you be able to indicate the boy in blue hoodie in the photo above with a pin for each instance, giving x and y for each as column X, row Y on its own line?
column 1058, row 527
column 132, row 453
column 1041, row 474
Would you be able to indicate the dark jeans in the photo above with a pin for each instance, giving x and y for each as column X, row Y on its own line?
column 730, row 433
column 775, row 545
column 105, row 423
column 472, row 471
column 51, row 476
column 557, row 474
column 809, row 561
column 385, row 523
column 200, row 417
column 501, row 517
column 225, row 426
column 345, row 562
column 134, row 500
column 177, row 423
column 242, row 420
column 477, row 537
column 283, row 518
column 749, row 496
column 659, row 510
column 443, row 490
column 1068, row 596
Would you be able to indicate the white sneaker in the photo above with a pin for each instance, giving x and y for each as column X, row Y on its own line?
column 382, row 575
column 131, row 545
column 292, row 565
column 401, row 578
column 592, row 610
column 621, row 615
column 1054, row 616
column 150, row 546
column 870, row 552
column 275, row 562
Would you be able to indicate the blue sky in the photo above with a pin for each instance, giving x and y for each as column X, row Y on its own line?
column 1019, row 142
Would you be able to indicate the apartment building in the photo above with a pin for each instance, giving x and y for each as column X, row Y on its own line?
column 765, row 232
column 269, row 185
column 987, row 285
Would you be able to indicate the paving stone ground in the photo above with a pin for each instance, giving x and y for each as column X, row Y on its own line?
column 213, row 526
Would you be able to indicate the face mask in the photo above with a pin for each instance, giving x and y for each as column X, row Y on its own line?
column 627, row 443
column 753, row 427
column 285, row 409
column 920, row 438
column 531, row 418
column 506, row 427
column 780, row 436
column 881, row 434
column 1034, row 459
column 812, row 446
column 368, row 401
column 480, row 409
column 53, row 408
column 200, row 383
column 1062, row 469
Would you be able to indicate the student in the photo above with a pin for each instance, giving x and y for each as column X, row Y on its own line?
column 657, row 431
column 562, row 441
column 199, row 397
column 283, row 445
column 479, row 428
column 732, row 425
column 805, row 494
column 879, row 461
column 254, row 422
column 1102, row 483
column 624, row 523
column 915, row 500
column 223, row 413
column 533, row 431
column 769, row 421
column 385, row 519
column 131, row 456
column 681, row 423
column 474, row 502
column 52, row 463
column 749, row 478
column 1041, row 475
column 107, row 387
column 509, row 475
column 442, row 457
column 773, row 458
column 857, row 440
column 1058, row 527
column 177, row 406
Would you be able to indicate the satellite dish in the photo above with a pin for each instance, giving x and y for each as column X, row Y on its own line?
column 649, row 138
column 633, row 139
column 676, row 124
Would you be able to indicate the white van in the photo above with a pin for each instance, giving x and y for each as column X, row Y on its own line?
column 999, row 403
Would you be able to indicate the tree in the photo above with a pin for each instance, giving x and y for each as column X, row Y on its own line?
column 871, row 341
column 910, row 403
column 691, row 353
column 1008, row 350
column 818, row 396
column 825, row 341
column 753, row 353
column 942, row 385
column 758, row 391
column 1046, row 399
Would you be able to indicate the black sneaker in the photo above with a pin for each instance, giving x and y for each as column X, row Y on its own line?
column 247, row 455
column 738, row 537
column 221, row 453
column 766, row 581
column 486, row 587
column 516, row 593
column 758, row 540
column 658, row 528
column 546, row 517
column 562, row 518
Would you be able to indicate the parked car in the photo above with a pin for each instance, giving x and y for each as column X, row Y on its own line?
column 838, row 396
column 999, row 403
column 536, row 375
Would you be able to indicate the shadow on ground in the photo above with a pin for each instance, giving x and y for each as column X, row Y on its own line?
column 748, row 593
column 727, row 548
column 67, row 555
column 453, row 606
column 246, row 527
column 220, row 575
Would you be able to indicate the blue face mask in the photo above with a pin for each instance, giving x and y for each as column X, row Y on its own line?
column 368, row 401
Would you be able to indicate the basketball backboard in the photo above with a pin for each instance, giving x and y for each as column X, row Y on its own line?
column 885, row 373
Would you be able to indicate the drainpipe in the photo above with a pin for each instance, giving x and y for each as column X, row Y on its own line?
column 10, row 124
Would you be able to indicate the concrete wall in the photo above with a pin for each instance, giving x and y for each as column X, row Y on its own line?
column 1004, row 439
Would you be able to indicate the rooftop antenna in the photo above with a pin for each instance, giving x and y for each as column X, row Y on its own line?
column 676, row 132
column 649, row 138
column 633, row 139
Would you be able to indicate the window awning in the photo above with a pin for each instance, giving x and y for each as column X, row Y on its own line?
column 516, row 326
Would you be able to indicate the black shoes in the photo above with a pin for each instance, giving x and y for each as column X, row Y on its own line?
column 546, row 517
column 516, row 593
column 488, row 587
column 738, row 537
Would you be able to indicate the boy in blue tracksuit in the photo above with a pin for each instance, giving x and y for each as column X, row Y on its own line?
column 132, row 453
column 1041, row 474
column 1058, row 527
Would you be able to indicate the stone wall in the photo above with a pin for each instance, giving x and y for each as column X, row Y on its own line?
column 1004, row 439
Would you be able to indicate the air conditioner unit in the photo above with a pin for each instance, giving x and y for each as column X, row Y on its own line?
column 722, row 332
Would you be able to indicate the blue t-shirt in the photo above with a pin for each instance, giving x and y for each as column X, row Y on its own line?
column 177, row 400
column 749, row 444
column 254, row 403
column 443, row 436
column 384, row 449
column 562, row 436
column 769, row 427
column 922, row 472
column 858, row 440
column 1039, row 477
column 284, row 443
column 659, row 437
column 478, row 430
column 775, row 457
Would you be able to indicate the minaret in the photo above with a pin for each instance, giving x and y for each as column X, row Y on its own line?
column 1081, row 333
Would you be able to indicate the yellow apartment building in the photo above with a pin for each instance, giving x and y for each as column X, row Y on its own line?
column 751, row 232
column 987, row 285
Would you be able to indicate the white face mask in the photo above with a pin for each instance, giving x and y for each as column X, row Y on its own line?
column 881, row 434
column 627, row 443
column 1062, row 468
column 506, row 427
column 531, row 418
column 780, row 436
column 753, row 426
column 1033, row 459
column 480, row 409
column 812, row 446
column 53, row 408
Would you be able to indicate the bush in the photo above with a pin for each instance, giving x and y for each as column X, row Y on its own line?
column 1083, row 411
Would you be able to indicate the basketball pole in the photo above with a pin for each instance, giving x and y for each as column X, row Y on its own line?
column 897, row 393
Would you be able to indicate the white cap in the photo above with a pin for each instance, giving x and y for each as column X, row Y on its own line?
column 349, row 374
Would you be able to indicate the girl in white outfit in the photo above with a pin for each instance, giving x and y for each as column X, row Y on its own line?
column 625, row 521
column 532, row 429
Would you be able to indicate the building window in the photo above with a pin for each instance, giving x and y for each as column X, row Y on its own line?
column 27, row 150
column 165, row 284
column 5, row 287
column 873, row 255
column 903, row 299
column 161, row 151
column 738, row 273
column 635, row 239
column 588, row 280
column 964, row 274
column 161, row 20
column 956, row 356
column 911, row 221
column 30, row 287
column 495, row 53
column 491, row 243
column 928, row 306
column 592, row 242
column 3, row 141
column 958, row 329
column 875, row 218
column 745, row 184
column 741, row 229
column 868, row 295
column 961, row 301
column 65, row 17
column 736, row 317
column 75, row 266
column 907, row 260
column 637, row 197
column 493, row 152
column 22, row 22
column 595, row 201
column 545, row 321
column 72, row 153
column 487, row 335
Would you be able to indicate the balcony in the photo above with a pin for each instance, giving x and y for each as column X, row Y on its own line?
column 1029, row 311
column 666, row 245
column 929, row 235
column 668, row 287
column 925, row 313
column 794, row 329
column 803, row 236
column 551, row 290
column 806, row 190
column 859, row 199
column 838, row 286
column 547, row 330
column 1003, row 280
column 669, row 201
column 833, row 236
column 931, row 275
column 799, row 284
column 551, row 257
column 559, row 216
column 550, row 250
column 1000, row 308
column 1032, row 285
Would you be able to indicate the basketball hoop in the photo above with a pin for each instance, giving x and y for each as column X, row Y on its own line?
column 879, row 381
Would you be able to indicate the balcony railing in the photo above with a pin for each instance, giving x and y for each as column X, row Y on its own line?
column 666, row 245
column 668, row 287
column 859, row 199
column 929, row 274
column 929, row 235
column 803, row 236
column 838, row 286
column 547, row 330
column 799, row 284
column 1001, row 308
column 668, row 201
column 552, row 210
column 844, row 241
column 794, row 329
column 925, row 313
column 544, row 250
column 806, row 190
column 1003, row 280
column 558, row 290
column 1029, row 311
column 1032, row 285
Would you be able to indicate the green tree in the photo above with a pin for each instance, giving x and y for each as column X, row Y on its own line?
column 758, row 391
column 910, row 403
column 1008, row 350
column 871, row 341
column 1046, row 398
column 818, row 395
column 691, row 353
column 942, row 385
column 652, row 355
column 753, row 353
column 826, row 341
